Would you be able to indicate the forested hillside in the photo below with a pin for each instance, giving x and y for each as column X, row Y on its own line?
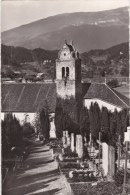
column 114, row 61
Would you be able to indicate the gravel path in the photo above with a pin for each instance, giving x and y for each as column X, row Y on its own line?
column 39, row 175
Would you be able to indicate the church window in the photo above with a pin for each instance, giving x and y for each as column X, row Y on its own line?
column 67, row 71
column 63, row 72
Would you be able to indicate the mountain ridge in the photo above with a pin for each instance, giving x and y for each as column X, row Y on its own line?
column 90, row 30
column 66, row 13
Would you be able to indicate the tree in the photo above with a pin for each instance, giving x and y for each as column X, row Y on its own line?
column 5, row 144
column 105, row 125
column 28, row 129
column 12, row 133
column 119, row 125
column 91, row 118
column 58, row 119
column 66, row 116
column 84, row 123
column 66, row 121
column 37, row 123
column 45, row 123
column 124, row 122
column 113, row 129
column 95, row 120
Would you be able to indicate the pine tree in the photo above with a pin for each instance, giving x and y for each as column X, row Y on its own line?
column 5, row 144
column 119, row 126
column 95, row 120
column 113, row 130
column 105, row 125
column 84, row 123
column 58, row 119
column 45, row 124
column 124, row 122
column 12, row 131
column 36, row 123
column 91, row 118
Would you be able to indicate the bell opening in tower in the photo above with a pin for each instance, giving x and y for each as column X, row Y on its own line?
column 63, row 72
column 67, row 72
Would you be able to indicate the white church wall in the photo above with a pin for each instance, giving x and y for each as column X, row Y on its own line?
column 52, row 126
column 30, row 118
column 87, row 103
column 21, row 116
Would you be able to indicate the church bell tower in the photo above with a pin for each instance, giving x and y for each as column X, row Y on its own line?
column 68, row 72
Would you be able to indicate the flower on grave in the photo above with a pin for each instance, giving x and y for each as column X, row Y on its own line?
column 71, row 174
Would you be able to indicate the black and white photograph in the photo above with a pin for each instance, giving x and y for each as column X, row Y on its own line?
column 65, row 117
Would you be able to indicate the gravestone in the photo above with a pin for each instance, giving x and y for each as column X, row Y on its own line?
column 68, row 141
column 66, row 134
column 72, row 142
column 90, row 139
column 76, row 144
column 79, row 145
column 111, row 162
column 105, row 158
column 64, row 139
column 108, row 160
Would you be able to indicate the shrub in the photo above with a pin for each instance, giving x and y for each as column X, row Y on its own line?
column 69, row 153
column 119, row 177
column 70, row 159
column 70, row 166
column 83, row 177
column 113, row 83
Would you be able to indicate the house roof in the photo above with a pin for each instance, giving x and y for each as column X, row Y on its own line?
column 85, row 87
column 105, row 93
column 30, row 97
column 19, row 97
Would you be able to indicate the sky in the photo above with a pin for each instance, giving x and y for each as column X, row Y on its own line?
column 18, row 12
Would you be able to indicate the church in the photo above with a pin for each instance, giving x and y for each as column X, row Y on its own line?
column 28, row 98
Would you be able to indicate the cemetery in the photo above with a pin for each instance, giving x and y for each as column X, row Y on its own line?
column 82, row 125
column 89, row 169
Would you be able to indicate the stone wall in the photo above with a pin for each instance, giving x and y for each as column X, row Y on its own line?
column 65, row 90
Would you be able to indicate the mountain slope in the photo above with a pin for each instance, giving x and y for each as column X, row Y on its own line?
column 90, row 30
column 114, row 61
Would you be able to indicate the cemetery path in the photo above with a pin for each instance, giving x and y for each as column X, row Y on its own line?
column 39, row 175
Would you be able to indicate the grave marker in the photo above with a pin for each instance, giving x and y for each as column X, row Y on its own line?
column 72, row 142
column 79, row 145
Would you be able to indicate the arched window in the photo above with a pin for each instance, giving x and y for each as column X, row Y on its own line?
column 63, row 72
column 67, row 71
